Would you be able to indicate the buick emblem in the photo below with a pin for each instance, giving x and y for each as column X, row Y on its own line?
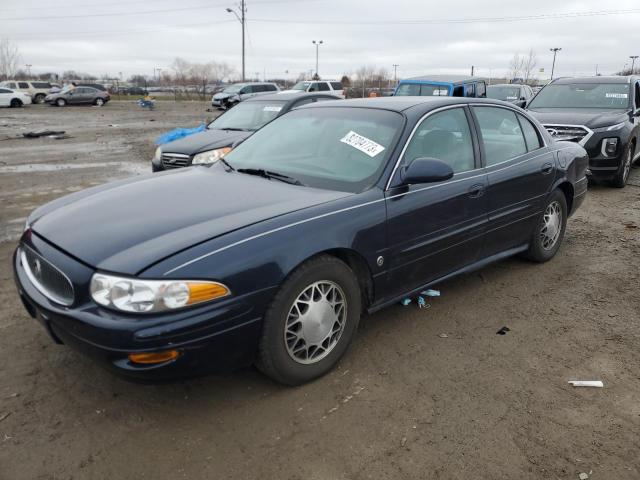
column 37, row 268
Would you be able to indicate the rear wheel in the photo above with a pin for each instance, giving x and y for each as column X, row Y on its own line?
column 99, row 102
column 39, row 98
column 620, row 180
column 61, row 102
column 15, row 103
column 549, row 231
column 310, row 322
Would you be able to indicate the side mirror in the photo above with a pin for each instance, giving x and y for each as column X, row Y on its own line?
column 426, row 170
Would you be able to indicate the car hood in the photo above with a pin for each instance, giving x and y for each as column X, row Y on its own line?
column 579, row 116
column 203, row 141
column 221, row 95
column 126, row 226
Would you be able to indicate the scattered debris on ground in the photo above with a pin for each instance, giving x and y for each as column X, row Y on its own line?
column 587, row 383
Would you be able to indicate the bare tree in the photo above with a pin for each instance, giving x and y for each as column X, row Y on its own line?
column 181, row 69
column 200, row 74
column 9, row 59
column 364, row 76
column 516, row 66
column 529, row 64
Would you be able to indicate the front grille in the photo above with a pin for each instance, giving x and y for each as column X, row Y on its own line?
column 570, row 133
column 174, row 160
column 49, row 281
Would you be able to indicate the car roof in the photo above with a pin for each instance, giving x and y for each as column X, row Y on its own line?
column 400, row 104
column 251, row 83
column 285, row 97
column 505, row 85
column 599, row 79
column 443, row 79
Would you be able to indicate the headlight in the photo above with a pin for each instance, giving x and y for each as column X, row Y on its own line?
column 158, row 154
column 617, row 126
column 211, row 156
column 148, row 296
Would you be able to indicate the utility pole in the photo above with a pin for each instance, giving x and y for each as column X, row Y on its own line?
column 395, row 74
column 317, row 44
column 633, row 62
column 472, row 67
column 28, row 65
column 243, row 20
column 555, row 52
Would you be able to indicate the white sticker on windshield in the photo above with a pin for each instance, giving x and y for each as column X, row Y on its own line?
column 272, row 108
column 617, row 95
column 512, row 98
column 363, row 144
column 442, row 92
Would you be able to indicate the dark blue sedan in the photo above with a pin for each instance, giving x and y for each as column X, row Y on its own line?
column 271, row 255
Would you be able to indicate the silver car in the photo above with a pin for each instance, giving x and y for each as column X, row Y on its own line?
column 78, row 95
column 238, row 92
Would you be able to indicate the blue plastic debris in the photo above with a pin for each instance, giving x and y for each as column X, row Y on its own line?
column 422, row 303
column 179, row 133
column 405, row 301
column 431, row 293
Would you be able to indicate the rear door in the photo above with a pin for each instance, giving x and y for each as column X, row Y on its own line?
column 5, row 97
column 435, row 229
column 520, row 171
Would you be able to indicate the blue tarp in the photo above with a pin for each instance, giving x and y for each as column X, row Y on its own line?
column 178, row 133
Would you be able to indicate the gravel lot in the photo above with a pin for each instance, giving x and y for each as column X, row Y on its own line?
column 429, row 393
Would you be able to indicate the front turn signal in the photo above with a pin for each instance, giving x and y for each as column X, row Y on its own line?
column 150, row 358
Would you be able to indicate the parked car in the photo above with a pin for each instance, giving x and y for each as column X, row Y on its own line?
column 13, row 98
column 602, row 114
column 517, row 94
column 238, row 92
column 332, row 87
column 36, row 90
column 271, row 256
column 78, row 96
column 229, row 129
column 97, row 86
column 442, row 86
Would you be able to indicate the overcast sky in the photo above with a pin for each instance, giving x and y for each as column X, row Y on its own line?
column 422, row 36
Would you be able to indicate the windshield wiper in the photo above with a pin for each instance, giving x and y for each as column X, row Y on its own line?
column 271, row 175
column 227, row 164
column 235, row 129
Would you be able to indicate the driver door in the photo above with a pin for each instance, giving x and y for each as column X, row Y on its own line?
column 437, row 228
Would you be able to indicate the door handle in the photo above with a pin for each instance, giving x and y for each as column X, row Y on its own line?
column 546, row 168
column 476, row 191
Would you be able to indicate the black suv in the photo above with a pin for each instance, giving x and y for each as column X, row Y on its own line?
column 600, row 113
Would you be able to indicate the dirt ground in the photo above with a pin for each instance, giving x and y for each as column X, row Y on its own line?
column 424, row 394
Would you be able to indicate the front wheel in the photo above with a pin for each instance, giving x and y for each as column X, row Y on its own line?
column 620, row 180
column 311, row 321
column 549, row 231
column 15, row 103
column 99, row 102
column 61, row 102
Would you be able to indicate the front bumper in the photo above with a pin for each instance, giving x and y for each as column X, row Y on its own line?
column 602, row 167
column 220, row 336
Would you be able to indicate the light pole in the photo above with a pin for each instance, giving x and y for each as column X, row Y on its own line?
column 633, row 62
column 555, row 52
column 242, row 19
column 28, row 65
column 317, row 44
column 156, row 73
column 395, row 74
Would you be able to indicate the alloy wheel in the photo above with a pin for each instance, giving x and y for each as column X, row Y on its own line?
column 552, row 225
column 315, row 322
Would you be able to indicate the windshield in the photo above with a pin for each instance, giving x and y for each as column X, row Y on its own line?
column 503, row 93
column 302, row 86
column 248, row 115
column 583, row 95
column 334, row 148
column 422, row 90
column 233, row 89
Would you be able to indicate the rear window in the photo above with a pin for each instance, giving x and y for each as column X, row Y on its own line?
column 41, row 84
column 422, row 90
column 336, row 85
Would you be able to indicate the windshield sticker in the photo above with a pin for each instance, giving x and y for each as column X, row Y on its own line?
column 616, row 95
column 363, row 144
column 441, row 92
column 271, row 108
column 512, row 98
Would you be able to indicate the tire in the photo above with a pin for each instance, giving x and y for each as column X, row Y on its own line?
column 61, row 102
column 620, row 180
column 286, row 353
column 39, row 98
column 539, row 249
column 99, row 102
column 15, row 103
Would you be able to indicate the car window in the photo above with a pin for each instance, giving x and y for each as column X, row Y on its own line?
column 270, row 88
column 323, row 87
column 458, row 91
column 337, row 85
column 304, row 101
column 250, row 115
column 408, row 90
column 470, row 89
column 445, row 136
column 2, row 90
column 41, row 85
column 245, row 90
column 501, row 134
column 11, row 85
column 23, row 84
column 481, row 90
column 531, row 135
column 314, row 87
